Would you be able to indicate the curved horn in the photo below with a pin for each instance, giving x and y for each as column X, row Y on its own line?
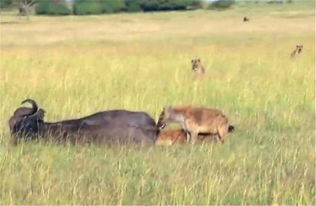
column 33, row 103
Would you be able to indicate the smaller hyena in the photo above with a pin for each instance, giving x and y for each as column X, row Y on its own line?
column 197, row 66
column 245, row 19
column 177, row 137
column 297, row 50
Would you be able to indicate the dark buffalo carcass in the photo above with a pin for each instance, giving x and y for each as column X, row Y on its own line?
column 114, row 126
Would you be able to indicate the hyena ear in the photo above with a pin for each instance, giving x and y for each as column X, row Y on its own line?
column 199, row 60
column 192, row 60
column 164, row 108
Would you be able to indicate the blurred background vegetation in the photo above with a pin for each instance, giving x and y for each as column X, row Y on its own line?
column 94, row 7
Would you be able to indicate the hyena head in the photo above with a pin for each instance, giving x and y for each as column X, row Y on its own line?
column 164, row 118
column 196, row 65
column 299, row 48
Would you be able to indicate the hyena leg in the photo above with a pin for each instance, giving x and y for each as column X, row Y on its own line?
column 188, row 136
column 222, row 132
column 194, row 136
column 221, row 138
column 187, row 131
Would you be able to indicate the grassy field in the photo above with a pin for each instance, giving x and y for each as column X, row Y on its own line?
column 75, row 66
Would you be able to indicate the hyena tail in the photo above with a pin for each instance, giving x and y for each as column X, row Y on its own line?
column 231, row 128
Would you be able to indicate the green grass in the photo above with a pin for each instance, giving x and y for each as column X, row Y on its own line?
column 75, row 66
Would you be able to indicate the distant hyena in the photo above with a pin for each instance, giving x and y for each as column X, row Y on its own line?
column 195, row 120
column 297, row 50
column 197, row 66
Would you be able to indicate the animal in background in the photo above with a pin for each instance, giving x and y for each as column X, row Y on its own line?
column 197, row 67
column 298, row 49
column 245, row 19
column 195, row 120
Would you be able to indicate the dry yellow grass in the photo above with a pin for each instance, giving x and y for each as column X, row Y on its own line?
column 74, row 66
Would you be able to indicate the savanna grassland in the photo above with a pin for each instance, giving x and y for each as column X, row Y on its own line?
column 75, row 66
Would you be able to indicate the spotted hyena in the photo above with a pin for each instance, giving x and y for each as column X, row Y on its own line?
column 297, row 50
column 197, row 66
column 196, row 120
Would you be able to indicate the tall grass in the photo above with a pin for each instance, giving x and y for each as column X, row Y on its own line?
column 74, row 66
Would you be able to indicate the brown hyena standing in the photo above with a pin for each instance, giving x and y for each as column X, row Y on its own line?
column 297, row 50
column 197, row 66
column 195, row 120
